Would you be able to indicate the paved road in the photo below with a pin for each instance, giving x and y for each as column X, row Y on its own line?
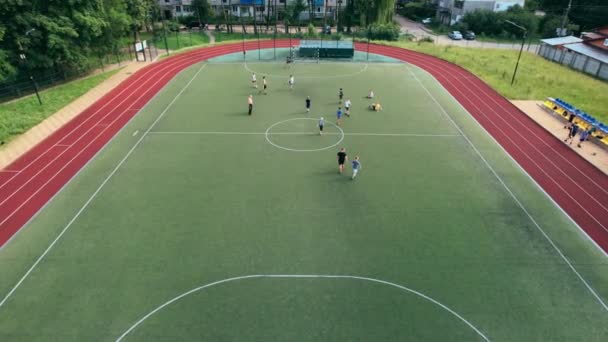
column 418, row 30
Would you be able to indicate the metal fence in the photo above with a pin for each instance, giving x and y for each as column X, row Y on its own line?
column 26, row 85
column 575, row 61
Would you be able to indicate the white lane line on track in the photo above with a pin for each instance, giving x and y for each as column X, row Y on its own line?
column 423, row 61
column 86, row 204
column 551, row 178
column 65, row 165
column 519, row 203
column 524, row 138
column 134, row 91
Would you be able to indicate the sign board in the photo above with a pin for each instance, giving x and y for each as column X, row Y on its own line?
column 140, row 46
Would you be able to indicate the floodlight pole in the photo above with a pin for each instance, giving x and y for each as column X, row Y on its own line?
column 24, row 58
column 523, row 42
column 368, row 43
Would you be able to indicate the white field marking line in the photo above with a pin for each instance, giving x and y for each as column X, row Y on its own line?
column 306, row 276
column 76, row 174
column 63, row 145
column 524, row 138
column 302, row 133
column 266, row 135
column 170, row 66
column 519, row 203
column 533, row 145
column 10, row 171
column 568, row 193
column 135, row 133
column 605, row 253
column 508, row 123
column 362, row 70
column 105, row 181
column 64, row 166
column 143, row 74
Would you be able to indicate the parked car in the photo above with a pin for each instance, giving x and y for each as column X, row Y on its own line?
column 427, row 21
column 469, row 35
column 456, row 35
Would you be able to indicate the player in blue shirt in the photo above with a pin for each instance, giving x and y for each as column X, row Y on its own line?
column 356, row 166
column 339, row 116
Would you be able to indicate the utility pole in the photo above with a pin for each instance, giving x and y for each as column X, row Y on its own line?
column 564, row 20
column 523, row 42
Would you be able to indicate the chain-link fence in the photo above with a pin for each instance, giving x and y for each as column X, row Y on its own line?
column 26, row 84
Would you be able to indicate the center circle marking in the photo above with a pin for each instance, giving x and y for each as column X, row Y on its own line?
column 267, row 133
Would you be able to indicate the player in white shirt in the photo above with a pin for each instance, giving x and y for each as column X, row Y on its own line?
column 254, row 80
column 291, row 82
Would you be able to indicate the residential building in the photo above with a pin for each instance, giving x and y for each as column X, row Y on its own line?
column 452, row 11
column 244, row 8
column 176, row 8
column 588, row 54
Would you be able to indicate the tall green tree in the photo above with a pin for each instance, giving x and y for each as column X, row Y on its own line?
column 588, row 14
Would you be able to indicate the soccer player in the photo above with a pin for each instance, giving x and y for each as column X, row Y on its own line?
column 342, row 158
column 356, row 167
column 321, row 124
column 572, row 133
column 250, row 103
column 291, row 82
column 339, row 116
column 307, row 104
column 265, row 85
column 341, row 95
column 254, row 81
column 371, row 94
column 347, row 105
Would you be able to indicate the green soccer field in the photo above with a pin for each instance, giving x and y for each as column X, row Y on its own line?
column 199, row 222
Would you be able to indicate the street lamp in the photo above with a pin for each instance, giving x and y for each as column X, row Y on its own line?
column 23, row 57
column 338, row 17
column 523, row 42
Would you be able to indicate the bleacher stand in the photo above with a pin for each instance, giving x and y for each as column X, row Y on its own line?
column 585, row 121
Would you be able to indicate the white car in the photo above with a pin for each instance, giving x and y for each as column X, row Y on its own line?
column 427, row 21
column 456, row 35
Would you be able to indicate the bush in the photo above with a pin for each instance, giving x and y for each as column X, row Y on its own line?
column 312, row 31
column 388, row 31
column 418, row 10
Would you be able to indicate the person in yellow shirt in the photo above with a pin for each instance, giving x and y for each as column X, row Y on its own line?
column 376, row 107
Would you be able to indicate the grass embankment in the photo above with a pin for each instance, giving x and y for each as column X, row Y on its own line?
column 18, row 116
column 537, row 78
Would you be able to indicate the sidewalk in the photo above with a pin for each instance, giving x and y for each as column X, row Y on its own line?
column 592, row 152
column 21, row 144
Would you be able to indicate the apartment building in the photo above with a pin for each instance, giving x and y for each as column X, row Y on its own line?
column 452, row 11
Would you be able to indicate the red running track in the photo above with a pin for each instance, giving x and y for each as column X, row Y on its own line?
column 577, row 186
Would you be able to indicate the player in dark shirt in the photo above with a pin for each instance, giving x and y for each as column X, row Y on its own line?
column 341, row 95
column 307, row 104
column 342, row 158
column 572, row 133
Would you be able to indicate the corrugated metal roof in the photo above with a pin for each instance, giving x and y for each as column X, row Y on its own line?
column 561, row 40
column 586, row 50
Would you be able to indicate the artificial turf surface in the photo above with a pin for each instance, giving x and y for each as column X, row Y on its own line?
column 205, row 197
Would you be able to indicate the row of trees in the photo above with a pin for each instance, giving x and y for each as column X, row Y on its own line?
column 65, row 34
column 74, row 34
